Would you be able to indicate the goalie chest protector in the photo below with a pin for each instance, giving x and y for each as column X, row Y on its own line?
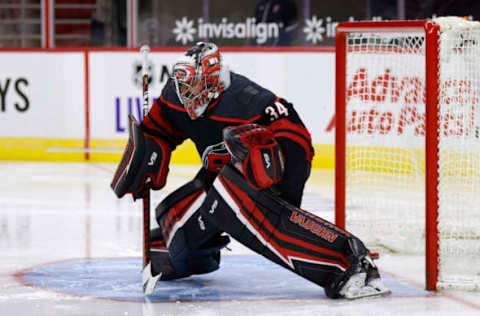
column 243, row 102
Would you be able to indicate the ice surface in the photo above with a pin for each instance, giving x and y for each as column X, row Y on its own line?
column 69, row 247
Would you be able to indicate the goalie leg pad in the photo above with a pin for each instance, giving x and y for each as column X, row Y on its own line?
column 159, row 258
column 193, row 244
column 294, row 238
column 145, row 157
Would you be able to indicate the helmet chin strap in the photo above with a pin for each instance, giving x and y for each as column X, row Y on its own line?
column 224, row 76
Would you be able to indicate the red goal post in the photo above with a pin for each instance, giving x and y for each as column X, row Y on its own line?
column 388, row 131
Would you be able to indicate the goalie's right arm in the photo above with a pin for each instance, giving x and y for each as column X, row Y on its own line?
column 156, row 124
column 147, row 154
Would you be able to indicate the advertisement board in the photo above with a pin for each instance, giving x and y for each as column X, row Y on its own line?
column 304, row 78
column 67, row 105
column 42, row 95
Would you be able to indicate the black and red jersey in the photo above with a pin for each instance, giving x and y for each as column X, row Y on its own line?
column 242, row 102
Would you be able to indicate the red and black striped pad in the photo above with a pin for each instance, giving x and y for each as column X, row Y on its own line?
column 193, row 243
column 294, row 238
column 178, row 207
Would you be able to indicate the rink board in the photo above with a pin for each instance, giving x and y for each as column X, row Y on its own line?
column 79, row 111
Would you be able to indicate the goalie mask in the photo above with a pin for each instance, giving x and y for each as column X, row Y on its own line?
column 199, row 78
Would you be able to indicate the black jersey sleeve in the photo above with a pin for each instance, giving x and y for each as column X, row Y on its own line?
column 284, row 121
column 157, row 124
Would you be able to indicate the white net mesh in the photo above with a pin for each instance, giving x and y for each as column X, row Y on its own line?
column 459, row 153
column 385, row 156
column 385, row 160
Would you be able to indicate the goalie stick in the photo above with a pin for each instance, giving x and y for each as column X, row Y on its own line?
column 148, row 281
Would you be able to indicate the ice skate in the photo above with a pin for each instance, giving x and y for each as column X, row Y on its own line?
column 364, row 283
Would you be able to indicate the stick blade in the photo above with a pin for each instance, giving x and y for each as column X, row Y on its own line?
column 148, row 280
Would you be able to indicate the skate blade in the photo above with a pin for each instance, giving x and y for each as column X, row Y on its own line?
column 369, row 294
column 149, row 281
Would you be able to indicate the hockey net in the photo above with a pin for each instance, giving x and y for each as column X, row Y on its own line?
column 387, row 76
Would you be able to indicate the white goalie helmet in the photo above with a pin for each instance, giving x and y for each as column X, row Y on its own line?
column 199, row 78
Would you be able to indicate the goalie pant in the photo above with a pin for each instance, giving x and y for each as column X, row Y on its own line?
column 185, row 244
column 192, row 222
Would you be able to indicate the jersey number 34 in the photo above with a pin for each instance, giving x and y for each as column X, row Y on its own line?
column 276, row 111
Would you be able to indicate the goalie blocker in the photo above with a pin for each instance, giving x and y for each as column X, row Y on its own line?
column 144, row 162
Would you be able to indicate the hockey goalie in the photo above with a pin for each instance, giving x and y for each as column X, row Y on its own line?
column 256, row 156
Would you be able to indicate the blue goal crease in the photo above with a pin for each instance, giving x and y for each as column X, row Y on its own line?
column 120, row 279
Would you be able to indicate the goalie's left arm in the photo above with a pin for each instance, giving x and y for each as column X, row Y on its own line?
column 285, row 123
column 296, row 143
column 255, row 153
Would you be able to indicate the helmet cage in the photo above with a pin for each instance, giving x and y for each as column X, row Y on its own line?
column 197, row 84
